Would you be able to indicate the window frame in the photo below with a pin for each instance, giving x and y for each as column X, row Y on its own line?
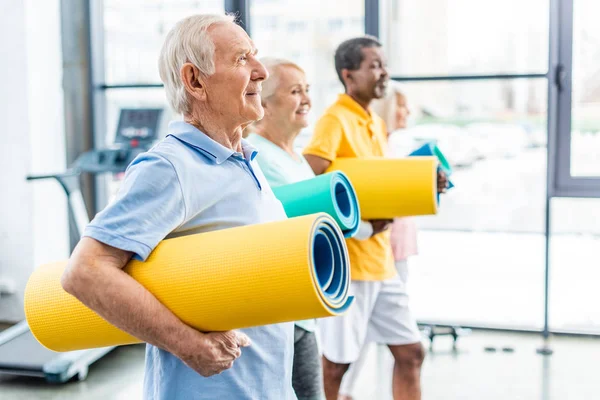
column 564, row 183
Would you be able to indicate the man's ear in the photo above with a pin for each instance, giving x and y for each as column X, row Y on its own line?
column 347, row 76
column 193, row 81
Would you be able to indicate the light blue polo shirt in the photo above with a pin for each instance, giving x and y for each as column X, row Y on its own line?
column 189, row 183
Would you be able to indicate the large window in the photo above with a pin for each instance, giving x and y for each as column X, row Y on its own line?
column 493, row 133
column 575, row 274
column 577, row 126
column 455, row 37
column 134, row 31
column 488, row 238
column 308, row 32
column 481, row 259
column 585, row 120
column 574, row 144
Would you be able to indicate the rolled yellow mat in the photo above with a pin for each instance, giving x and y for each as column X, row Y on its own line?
column 234, row 278
column 392, row 187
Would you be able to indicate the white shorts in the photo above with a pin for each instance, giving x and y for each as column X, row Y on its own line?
column 379, row 314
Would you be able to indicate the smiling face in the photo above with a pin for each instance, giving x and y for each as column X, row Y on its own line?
column 233, row 90
column 289, row 105
column 401, row 112
column 370, row 80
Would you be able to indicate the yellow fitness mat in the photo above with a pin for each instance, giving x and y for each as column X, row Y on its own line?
column 229, row 279
column 392, row 187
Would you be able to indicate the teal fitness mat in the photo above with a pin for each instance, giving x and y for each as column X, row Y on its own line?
column 331, row 193
column 431, row 149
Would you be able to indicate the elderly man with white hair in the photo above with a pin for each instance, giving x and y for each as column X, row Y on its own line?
column 200, row 178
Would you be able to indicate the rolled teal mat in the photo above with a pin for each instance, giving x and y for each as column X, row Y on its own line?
column 431, row 149
column 331, row 193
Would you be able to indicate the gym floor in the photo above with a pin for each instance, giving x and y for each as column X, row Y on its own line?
column 469, row 373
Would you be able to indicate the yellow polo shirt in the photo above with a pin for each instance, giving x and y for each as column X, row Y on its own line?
column 348, row 130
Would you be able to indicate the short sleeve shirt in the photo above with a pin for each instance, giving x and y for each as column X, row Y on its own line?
column 187, row 184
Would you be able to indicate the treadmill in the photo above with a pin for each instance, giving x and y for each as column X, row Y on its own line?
column 20, row 353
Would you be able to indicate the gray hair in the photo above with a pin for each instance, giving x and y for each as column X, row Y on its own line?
column 349, row 54
column 272, row 65
column 187, row 41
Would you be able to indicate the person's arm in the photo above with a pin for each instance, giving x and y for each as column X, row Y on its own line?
column 318, row 164
column 324, row 144
column 365, row 231
column 148, row 206
column 95, row 276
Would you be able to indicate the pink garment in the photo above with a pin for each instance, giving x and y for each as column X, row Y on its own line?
column 404, row 238
column 404, row 230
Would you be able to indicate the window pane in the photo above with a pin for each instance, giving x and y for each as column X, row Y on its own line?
column 481, row 259
column 456, row 37
column 307, row 32
column 574, row 273
column 134, row 31
column 585, row 122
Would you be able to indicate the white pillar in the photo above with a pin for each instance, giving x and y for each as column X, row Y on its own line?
column 33, row 216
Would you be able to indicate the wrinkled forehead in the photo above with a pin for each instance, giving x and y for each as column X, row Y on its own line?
column 230, row 39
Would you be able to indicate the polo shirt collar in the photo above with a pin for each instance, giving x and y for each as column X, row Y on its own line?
column 249, row 151
column 348, row 102
column 194, row 137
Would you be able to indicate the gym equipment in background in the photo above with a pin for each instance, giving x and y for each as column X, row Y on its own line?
column 234, row 278
column 137, row 131
column 20, row 353
column 433, row 331
column 331, row 193
column 392, row 187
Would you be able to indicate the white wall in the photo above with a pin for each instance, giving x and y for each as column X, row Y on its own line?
column 33, row 216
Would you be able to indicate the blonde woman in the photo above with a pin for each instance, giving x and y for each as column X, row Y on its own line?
column 286, row 101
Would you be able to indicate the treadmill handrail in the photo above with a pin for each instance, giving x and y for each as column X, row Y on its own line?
column 14, row 331
column 68, row 173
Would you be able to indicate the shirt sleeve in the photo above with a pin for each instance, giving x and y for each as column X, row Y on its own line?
column 326, row 139
column 365, row 231
column 148, row 206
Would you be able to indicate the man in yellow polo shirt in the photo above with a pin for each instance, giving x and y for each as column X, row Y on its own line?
column 380, row 312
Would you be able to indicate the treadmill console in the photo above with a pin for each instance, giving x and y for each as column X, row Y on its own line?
column 137, row 131
column 138, row 127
